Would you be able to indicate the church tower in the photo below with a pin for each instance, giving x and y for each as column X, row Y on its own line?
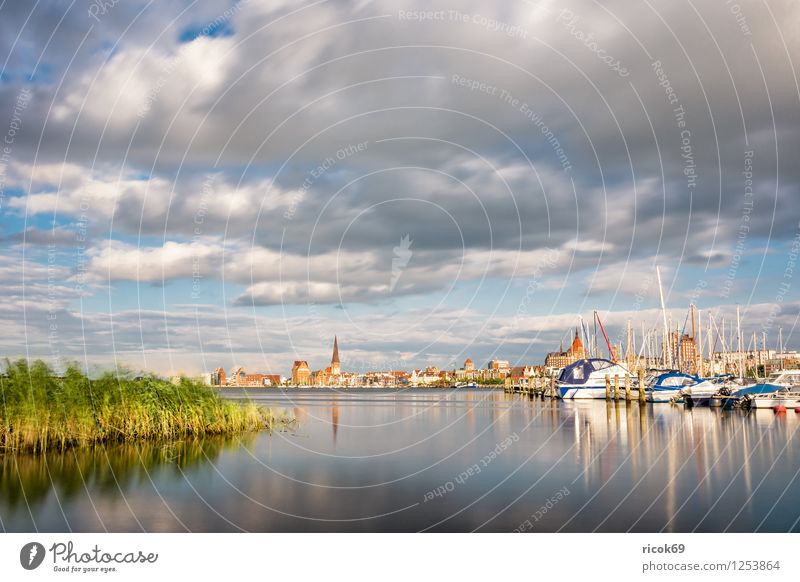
column 576, row 348
column 336, row 368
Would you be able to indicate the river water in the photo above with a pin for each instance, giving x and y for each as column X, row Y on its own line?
column 435, row 460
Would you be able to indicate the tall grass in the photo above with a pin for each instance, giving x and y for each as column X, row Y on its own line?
column 40, row 411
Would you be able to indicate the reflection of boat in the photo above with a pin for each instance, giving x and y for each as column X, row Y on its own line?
column 666, row 386
column 587, row 378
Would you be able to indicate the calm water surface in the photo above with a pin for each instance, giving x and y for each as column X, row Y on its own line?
column 379, row 460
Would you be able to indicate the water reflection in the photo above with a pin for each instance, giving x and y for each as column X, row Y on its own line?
column 373, row 460
column 32, row 483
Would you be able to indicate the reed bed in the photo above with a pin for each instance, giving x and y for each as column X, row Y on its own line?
column 40, row 411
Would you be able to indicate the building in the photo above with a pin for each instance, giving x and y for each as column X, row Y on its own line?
column 781, row 361
column 468, row 372
column 562, row 359
column 498, row 365
column 219, row 378
column 301, row 373
column 521, row 375
column 425, row 377
column 332, row 375
column 262, row 380
column 683, row 348
column 335, row 368
column 237, row 377
column 759, row 362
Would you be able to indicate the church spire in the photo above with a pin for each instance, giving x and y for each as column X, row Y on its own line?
column 335, row 358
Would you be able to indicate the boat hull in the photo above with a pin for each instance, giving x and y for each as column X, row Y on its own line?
column 582, row 392
column 656, row 396
column 774, row 401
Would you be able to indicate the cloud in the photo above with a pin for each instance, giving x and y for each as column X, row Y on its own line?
column 287, row 150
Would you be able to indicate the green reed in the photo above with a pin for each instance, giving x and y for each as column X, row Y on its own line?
column 40, row 411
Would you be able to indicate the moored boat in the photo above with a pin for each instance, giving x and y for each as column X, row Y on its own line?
column 586, row 378
column 466, row 385
column 707, row 389
column 780, row 386
column 787, row 399
column 666, row 386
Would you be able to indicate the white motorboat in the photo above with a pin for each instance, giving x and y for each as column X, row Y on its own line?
column 587, row 378
column 781, row 388
column 787, row 399
column 667, row 386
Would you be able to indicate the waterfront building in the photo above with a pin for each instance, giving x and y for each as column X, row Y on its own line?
column 521, row 375
column 759, row 362
column 781, row 361
column 219, row 378
column 320, row 378
column 468, row 372
column 301, row 373
column 262, row 380
column 425, row 377
column 499, row 365
column 684, row 349
column 562, row 359
column 237, row 377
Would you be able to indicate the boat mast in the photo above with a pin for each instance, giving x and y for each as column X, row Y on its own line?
column 694, row 341
column 724, row 349
column 628, row 345
column 699, row 344
column 739, row 343
column 611, row 355
column 710, row 345
column 664, row 315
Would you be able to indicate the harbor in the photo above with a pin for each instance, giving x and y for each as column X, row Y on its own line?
column 672, row 368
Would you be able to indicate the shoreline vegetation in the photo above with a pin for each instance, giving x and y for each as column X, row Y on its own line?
column 41, row 411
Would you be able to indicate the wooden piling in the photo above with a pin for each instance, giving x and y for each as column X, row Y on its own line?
column 616, row 387
column 608, row 387
column 641, row 387
column 627, row 387
column 553, row 386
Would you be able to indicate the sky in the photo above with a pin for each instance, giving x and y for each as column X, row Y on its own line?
column 188, row 185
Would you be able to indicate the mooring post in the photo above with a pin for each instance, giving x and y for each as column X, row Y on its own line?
column 553, row 386
column 641, row 387
column 627, row 387
column 616, row 387
column 608, row 387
